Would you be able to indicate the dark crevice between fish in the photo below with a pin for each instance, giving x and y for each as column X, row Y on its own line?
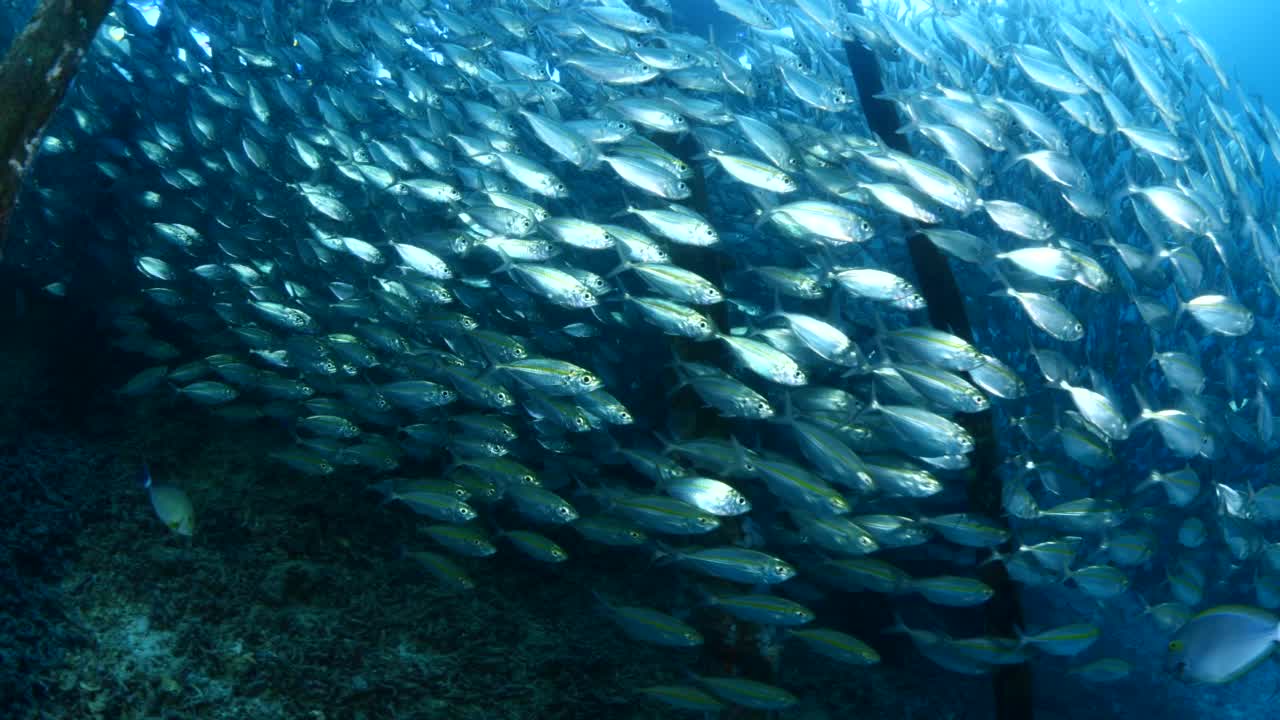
column 731, row 652
column 35, row 74
column 688, row 410
column 946, row 307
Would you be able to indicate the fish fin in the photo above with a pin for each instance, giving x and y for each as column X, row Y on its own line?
column 1143, row 404
column 663, row 554
column 898, row 627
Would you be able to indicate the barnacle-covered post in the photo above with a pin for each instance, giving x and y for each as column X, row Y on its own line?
column 35, row 74
column 1012, row 683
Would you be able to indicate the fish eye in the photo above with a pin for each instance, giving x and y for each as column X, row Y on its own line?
column 702, row 325
column 559, row 187
column 527, row 479
column 682, row 187
column 587, row 379
column 780, row 569
column 580, row 421
column 865, row 226
column 503, row 398
column 563, row 511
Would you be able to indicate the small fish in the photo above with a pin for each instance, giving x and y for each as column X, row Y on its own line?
column 754, row 173
column 463, row 540
column 837, row 645
column 953, row 591
column 651, row 626
column 171, row 504
column 683, row 697
column 1066, row 641
column 209, row 392
column 537, row 546
column 1104, row 670
column 708, row 494
column 444, row 570
column 749, row 693
column 1220, row 315
column 736, row 564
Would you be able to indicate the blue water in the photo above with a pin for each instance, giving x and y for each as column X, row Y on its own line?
column 311, row 562
column 1240, row 32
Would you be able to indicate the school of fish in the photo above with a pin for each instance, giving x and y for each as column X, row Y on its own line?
column 556, row 275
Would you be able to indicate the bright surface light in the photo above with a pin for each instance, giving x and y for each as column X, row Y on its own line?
column 380, row 71
column 150, row 10
column 202, row 39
